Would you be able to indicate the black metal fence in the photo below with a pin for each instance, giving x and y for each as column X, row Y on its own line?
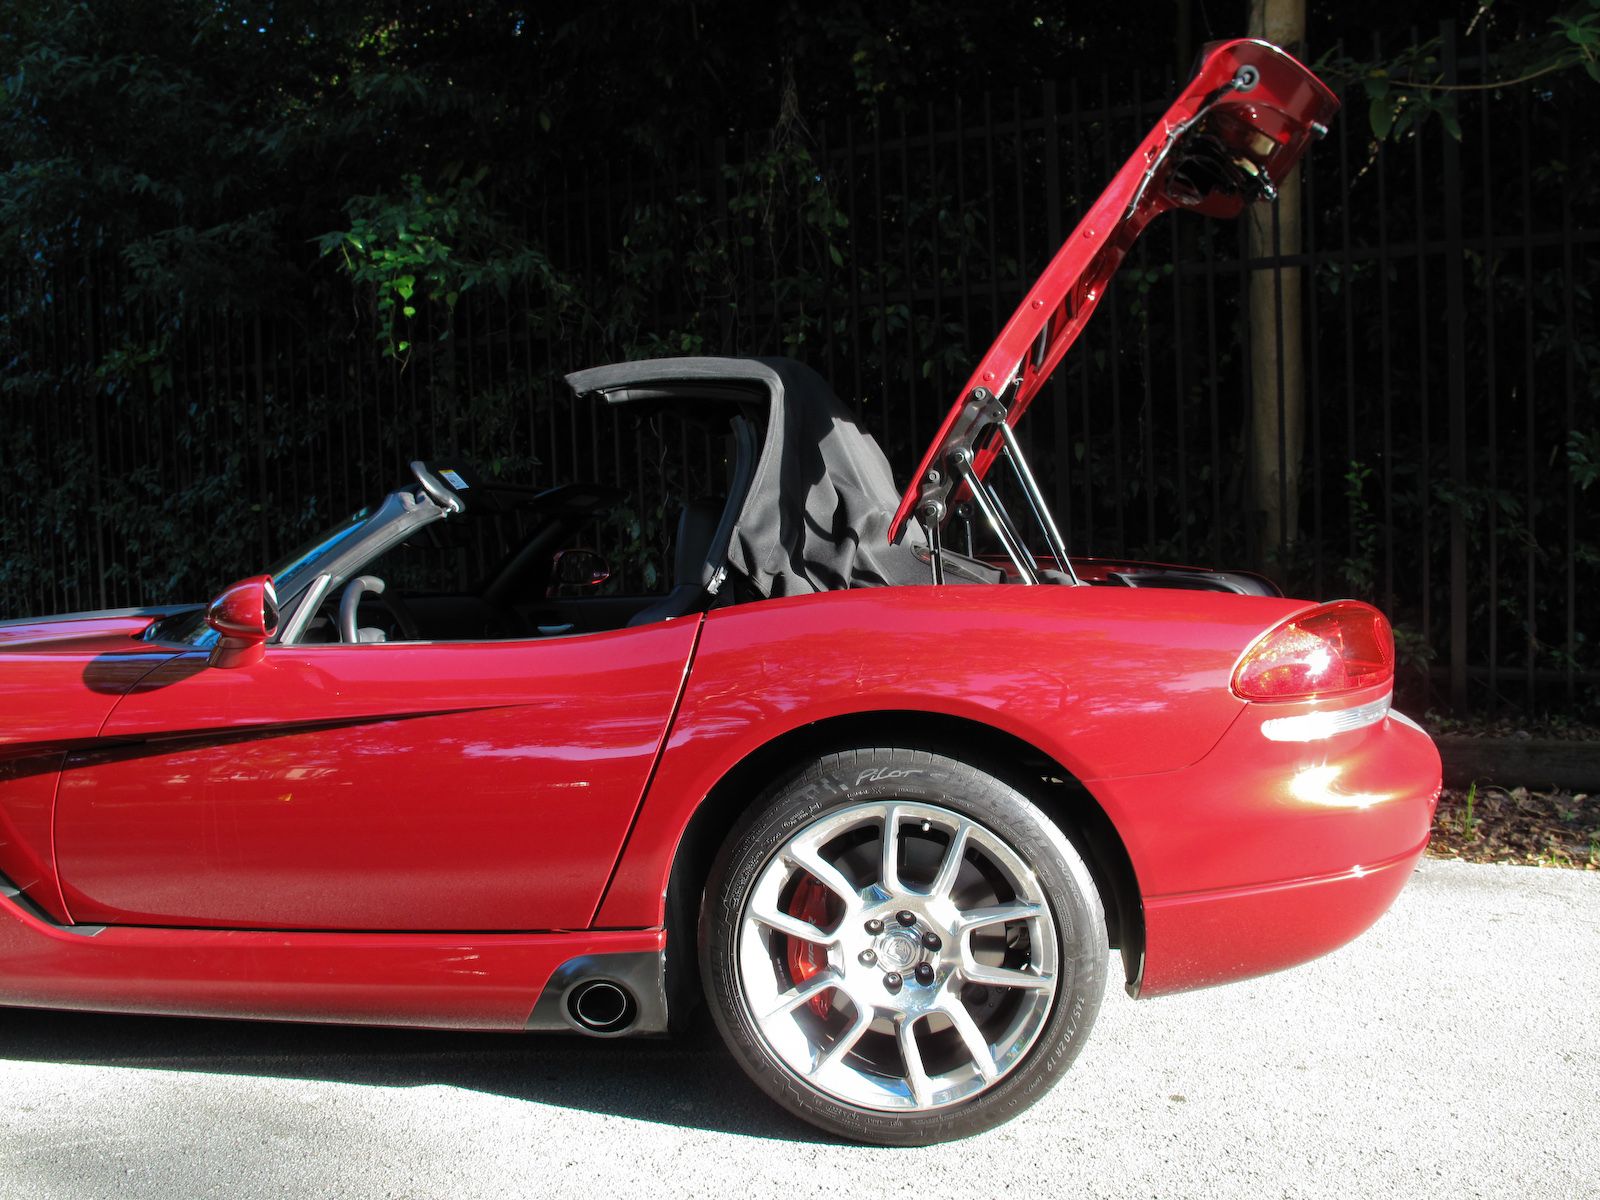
column 1451, row 364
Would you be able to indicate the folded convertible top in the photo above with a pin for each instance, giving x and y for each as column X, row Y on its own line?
column 816, row 514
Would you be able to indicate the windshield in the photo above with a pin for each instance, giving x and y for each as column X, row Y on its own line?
column 291, row 572
column 406, row 539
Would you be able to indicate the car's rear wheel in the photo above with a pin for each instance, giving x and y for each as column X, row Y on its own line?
column 901, row 948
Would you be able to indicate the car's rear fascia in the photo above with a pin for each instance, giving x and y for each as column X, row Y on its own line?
column 1268, row 852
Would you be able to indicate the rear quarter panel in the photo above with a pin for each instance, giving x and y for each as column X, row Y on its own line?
column 1111, row 682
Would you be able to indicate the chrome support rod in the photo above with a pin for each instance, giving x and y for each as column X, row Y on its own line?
column 961, row 460
column 930, row 523
column 1041, row 510
column 1010, row 524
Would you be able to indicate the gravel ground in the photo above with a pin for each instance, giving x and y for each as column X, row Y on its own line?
column 1451, row 1050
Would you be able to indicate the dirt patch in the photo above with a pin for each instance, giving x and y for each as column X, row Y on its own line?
column 1500, row 825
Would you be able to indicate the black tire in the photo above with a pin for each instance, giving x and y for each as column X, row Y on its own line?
column 828, row 795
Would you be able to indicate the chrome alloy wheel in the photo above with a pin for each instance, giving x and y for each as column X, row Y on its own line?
column 897, row 956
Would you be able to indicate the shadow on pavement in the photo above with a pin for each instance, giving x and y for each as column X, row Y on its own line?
column 689, row 1081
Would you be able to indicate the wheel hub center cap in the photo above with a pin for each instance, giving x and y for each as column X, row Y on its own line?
column 898, row 949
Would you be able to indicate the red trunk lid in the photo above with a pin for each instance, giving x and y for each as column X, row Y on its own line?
column 1243, row 120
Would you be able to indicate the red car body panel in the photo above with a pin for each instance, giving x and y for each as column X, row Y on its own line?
column 1219, row 937
column 1125, row 689
column 27, row 800
column 1250, row 854
column 59, row 679
column 438, row 981
column 1266, row 854
column 403, row 787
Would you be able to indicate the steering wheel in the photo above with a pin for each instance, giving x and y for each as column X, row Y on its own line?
column 370, row 585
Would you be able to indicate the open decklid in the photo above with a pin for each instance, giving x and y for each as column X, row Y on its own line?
column 1242, row 122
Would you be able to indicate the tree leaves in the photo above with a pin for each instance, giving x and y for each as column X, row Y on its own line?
column 425, row 245
column 1410, row 87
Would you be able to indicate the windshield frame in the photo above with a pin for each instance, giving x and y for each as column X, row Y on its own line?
column 318, row 565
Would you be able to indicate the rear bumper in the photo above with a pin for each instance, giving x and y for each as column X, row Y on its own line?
column 1196, row 941
column 1266, row 854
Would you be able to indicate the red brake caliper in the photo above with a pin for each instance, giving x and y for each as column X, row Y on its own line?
column 806, row 959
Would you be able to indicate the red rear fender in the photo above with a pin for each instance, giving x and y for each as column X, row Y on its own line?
column 1106, row 681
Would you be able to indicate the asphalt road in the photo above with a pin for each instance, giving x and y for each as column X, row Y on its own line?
column 1453, row 1050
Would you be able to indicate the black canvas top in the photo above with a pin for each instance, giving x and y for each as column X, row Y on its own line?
column 816, row 515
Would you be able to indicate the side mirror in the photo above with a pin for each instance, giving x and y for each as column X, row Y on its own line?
column 577, row 569
column 246, row 615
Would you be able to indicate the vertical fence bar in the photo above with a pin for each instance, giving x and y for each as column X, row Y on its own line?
column 1081, row 363
column 908, row 282
column 1490, row 271
column 963, row 265
column 1313, row 315
column 1177, row 237
column 992, row 214
column 1385, row 395
column 1423, row 208
column 935, row 261
column 1114, row 355
column 1570, row 358
column 1456, row 321
column 1280, row 388
column 881, row 408
column 828, row 272
column 1347, row 294
column 263, row 523
column 547, row 344
column 575, row 471
column 97, row 401
column 1147, row 444
column 1214, row 424
column 858, row 349
column 1062, row 467
column 1530, row 628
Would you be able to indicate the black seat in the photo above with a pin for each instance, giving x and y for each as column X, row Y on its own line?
column 698, row 523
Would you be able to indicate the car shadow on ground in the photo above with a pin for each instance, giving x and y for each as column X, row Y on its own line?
column 689, row 1081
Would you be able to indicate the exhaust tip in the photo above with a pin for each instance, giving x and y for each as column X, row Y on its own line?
column 602, row 1007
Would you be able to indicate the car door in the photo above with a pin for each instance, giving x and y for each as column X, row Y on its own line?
column 455, row 786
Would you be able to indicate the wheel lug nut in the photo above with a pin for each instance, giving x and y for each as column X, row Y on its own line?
column 868, row 958
column 892, row 981
column 930, row 940
column 874, row 926
column 924, row 973
column 906, row 917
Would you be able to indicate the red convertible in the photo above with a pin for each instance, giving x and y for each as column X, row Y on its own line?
column 882, row 776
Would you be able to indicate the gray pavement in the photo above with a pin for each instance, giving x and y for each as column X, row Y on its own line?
column 1452, row 1050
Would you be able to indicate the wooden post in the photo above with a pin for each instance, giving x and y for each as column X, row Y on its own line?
column 1277, row 372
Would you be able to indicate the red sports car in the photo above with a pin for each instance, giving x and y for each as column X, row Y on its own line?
column 884, row 777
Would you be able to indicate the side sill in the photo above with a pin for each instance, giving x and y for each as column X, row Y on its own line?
column 11, row 894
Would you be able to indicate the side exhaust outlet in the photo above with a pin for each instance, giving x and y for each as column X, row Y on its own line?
column 604, row 995
column 602, row 1007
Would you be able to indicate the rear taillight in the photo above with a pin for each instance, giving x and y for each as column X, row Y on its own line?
column 1340, row 647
